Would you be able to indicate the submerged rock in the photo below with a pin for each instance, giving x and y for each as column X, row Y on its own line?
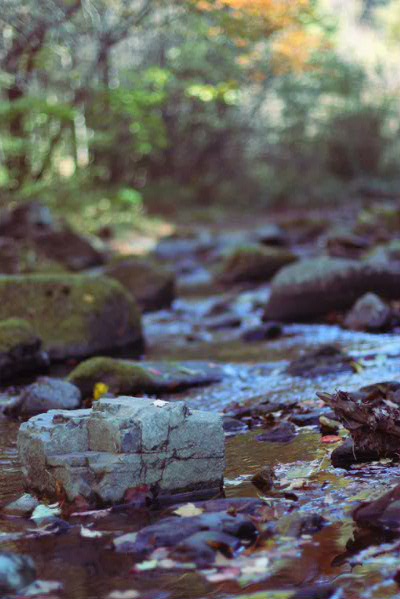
column 314, row 287
column 282, row 433
column 264, row 332
column 254, row 263
column 129, row 377
column 121, row 444
column 20, row 350
column 74, row 315
column 369, row 313
column 372, row 415
column 16, row 573
column 195, row 538
column 47, row 394
column 152, row 285
column 326, row 359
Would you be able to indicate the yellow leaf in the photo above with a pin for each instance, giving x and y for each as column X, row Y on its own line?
column 99, row 390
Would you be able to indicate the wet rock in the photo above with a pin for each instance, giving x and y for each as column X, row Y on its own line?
column 33, row 225
column 254, row 263
column 326, row 359
column 265, row 332
column 20, row 350
column 16, row 573
column 297, row 524
column 66, row 247
column 328, row 426
column 47, row 394
column 23, row 506
column 369, row 313
column 232, row 426
column 343, row 243
column 317, row 591
column 314, row 287
column 152, row 285
column 201, row 548
column 346, row 454
column 264, row 479
column 383, row 513
column 74, row 315
column 372, row 415
column 173, row 533
column 282, row 433
column 121, row 444
column 271, row 234
column 127, row 376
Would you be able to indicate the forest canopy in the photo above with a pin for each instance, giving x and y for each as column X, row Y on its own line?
column 201, row 100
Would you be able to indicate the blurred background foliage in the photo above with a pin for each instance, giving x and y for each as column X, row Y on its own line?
column 113, row 104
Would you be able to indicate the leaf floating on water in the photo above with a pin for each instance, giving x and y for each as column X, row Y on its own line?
column 356, row 366
column 146, row 566
column 45, row 512
column 188, row 510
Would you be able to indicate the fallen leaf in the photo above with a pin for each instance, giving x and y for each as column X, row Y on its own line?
column 45, row 512
column 331, row 439
column 159, row 403
column 99, row 390
column 188, row 510
column 123, row 595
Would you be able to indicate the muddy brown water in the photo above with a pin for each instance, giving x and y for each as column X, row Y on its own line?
column 90, row 569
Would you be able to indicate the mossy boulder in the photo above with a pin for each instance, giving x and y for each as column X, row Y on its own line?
column 152, row 285
column 74, row 315
column 20, row 350
column 314, row 287
column 130, row 377
column 254, row 263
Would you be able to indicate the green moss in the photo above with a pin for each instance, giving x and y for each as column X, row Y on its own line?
column 254, row 263
column 119, row 375
column 73, row 314
column 15, row 332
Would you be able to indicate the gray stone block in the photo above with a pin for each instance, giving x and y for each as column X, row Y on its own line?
column 120, row 444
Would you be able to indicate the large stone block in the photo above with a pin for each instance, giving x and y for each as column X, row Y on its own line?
column 120, row 444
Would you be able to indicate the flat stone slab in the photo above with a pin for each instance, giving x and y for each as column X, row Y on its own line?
column 123, row 443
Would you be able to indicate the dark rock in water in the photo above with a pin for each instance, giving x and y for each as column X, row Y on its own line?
column 383, row 513
column 47, row 394
column 232, row 426
column 317, row 591
column 264, row 479
column 267, row 331
column 343, row 243
column 171, row 532
column 16, row 573
column 282, row 433
column 326, row 359
column 346, row 454
column 314, row 287
column 369, row 313
column 129, row 377
column 20, row 350
column 254, row 263
column 201, row 548
column 74, row 315
column 152, row 285
column 311, row 418
column 372, row 415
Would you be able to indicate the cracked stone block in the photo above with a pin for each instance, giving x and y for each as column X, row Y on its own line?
column 120, row 444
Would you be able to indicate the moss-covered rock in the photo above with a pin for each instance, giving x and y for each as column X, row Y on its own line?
column 317, row 286
column 74, row 315
column 152, row 285
column 254, row 263
column 20, row 349
column 130, row 377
